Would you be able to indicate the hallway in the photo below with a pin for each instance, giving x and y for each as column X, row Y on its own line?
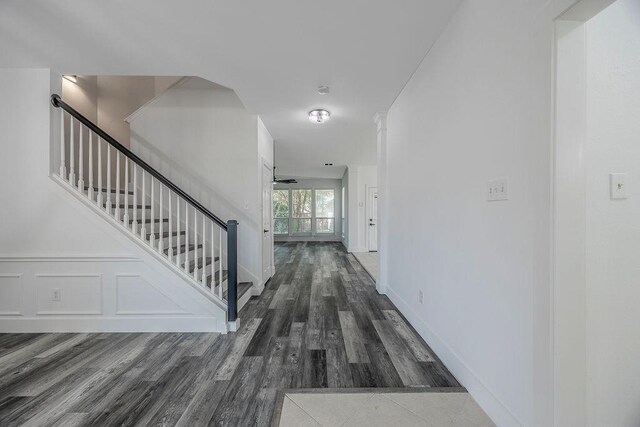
column 318, row 324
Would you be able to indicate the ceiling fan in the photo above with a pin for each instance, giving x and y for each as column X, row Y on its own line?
column 276, row 180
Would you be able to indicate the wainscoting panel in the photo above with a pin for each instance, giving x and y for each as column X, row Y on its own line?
column 10, row 295
column 136, row 296
column 78, row 294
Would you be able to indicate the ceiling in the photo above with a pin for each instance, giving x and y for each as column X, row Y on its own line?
column 274, row 54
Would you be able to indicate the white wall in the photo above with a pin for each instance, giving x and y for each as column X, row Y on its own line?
column 319, row 184
column 49, row 239
column 201, row 137
column 613, row 226
column 478, row 108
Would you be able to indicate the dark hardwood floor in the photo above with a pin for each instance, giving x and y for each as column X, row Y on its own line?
column 318, row 324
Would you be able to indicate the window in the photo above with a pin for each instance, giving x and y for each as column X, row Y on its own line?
column 325, row 212
column 301, row 211
column 281, row 211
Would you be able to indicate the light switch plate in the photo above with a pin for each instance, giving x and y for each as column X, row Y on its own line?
column 618, row 185
column 498, row 189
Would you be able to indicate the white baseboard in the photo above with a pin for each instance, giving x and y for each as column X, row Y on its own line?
column 487, row 400
column 77, row 324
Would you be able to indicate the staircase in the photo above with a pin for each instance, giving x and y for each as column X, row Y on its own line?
column 151, row 210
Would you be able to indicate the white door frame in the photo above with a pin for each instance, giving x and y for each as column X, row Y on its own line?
column 264, row 164
column 367, row 218
column 568, row 216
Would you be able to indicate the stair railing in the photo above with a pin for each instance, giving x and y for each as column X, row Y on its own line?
column 150, row 206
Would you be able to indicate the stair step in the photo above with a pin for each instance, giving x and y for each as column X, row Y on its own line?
column 148, row 221
column 164, row 234
column 175, row 249
column 104, row 190
column 216, row 280
column 123, row 206
column 192, row 263
column 243, row 288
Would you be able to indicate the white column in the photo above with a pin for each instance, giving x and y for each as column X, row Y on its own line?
column 383, row 196
column 186, row 237
column 143, row 226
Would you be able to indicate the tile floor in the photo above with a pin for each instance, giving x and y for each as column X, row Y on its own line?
column 369, row 261
column 430, row 409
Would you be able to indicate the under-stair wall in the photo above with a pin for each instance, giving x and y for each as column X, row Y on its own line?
column 63, row 268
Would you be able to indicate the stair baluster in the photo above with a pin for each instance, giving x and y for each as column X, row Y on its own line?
column 63, row 148
column 72, row 143
column 117, row 196
column 90, row 192
column 152, row 227
column 125, row 219
column 80, row 159
column 108, row 207
column 160, row 218
column 170, row 251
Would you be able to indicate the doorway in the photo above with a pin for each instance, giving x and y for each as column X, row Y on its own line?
column 267, row 230
column 372, row 219
column 596, row 239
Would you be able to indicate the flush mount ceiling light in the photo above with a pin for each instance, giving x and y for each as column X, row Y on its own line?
column 71, row 77
column 323, row 90
column 319, row 116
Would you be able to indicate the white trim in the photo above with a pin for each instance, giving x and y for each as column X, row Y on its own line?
column 67, row 258
column 155, row 99
column 495, row 408
column 52, row 324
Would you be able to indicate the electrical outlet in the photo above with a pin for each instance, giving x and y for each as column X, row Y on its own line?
column 55, row 294
column 420, row 297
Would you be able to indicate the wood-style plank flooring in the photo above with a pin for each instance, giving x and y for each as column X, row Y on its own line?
column 318, row 324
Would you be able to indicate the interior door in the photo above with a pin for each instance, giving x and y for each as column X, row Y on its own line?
column 372, row 217
column 267, row 233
